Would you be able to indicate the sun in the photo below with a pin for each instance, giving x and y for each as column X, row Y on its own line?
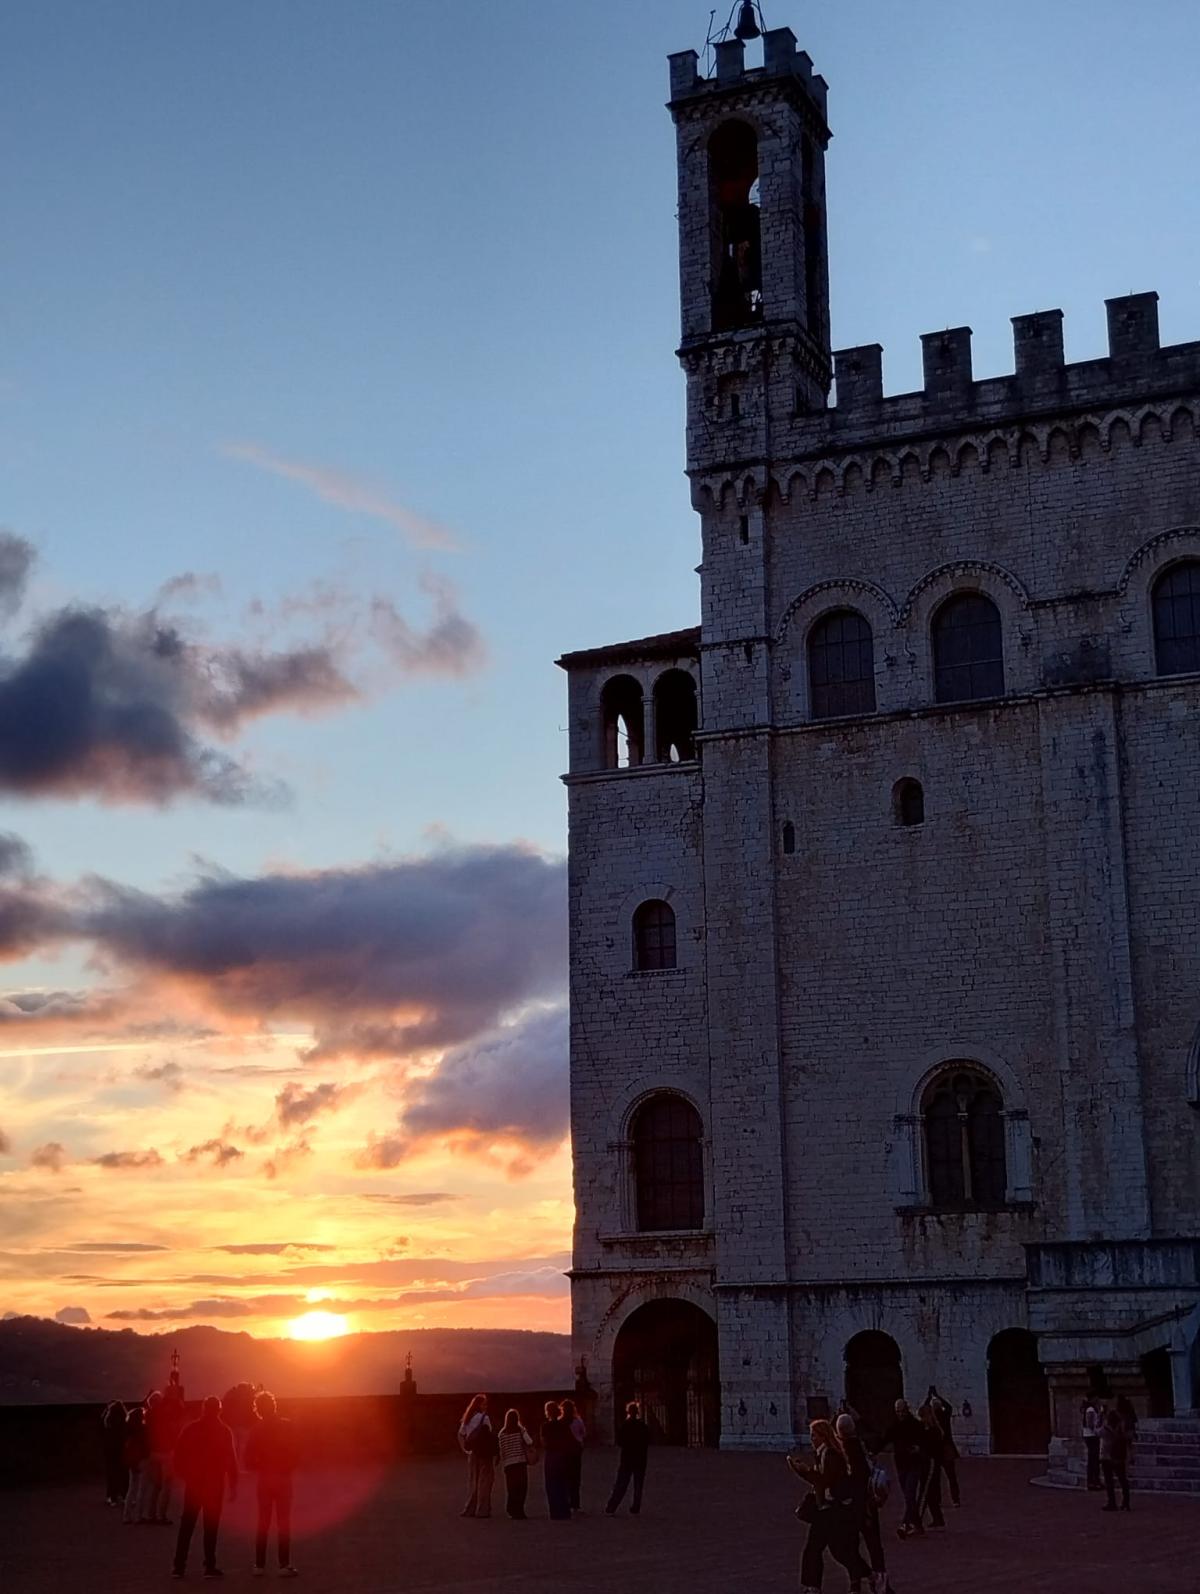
column 318, row 1325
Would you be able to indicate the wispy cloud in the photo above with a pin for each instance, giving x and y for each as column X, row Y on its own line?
column 346, row 491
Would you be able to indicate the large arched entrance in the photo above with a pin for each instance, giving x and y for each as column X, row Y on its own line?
column 666, row 1357
column 874, row 1379
column 1018, row 1395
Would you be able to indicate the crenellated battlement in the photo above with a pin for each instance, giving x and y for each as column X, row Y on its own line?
column 782, row 58
column 1136, row 367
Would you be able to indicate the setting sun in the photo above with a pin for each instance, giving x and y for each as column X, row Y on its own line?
column 318, row 1325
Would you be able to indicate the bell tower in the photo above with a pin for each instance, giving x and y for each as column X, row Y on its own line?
column 754, row 263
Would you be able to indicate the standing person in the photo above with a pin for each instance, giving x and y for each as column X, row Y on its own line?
column 633, row 1437
column 271, row 1452
column 154, row 1471
column 137, row 1453
column 906, row 1436
column 558, row 1444
column 112, row 1439
column 935, row 1452
column 944, row 1412
column 575, row 1459
column 164, row 1436
column 206, row 1462
column 866, row 1500
column 1129, row 1422
column 833, row 1525
column 1114, row 1453
column 479, row 1445
column 516, row 1457
column 1091, row 1426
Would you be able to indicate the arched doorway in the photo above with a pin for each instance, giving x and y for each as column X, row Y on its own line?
column 1160, row 1384
column 666, row 1357
column 874, row 1379
column 1018, row 1395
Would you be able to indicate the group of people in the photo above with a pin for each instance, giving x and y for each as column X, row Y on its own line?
column 849, row 1487
column 151, row 1446
column 1109, row 1433
column 559, row 1447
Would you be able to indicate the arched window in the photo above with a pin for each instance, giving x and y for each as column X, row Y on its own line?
column 624, row 723
column 1176, row 606
column 736, row 228
column 841, row 666
column 964, row 1140
column 908, row 802
column 668, row 1162
column 675, row 717
column 968, row 649
column 654, row 936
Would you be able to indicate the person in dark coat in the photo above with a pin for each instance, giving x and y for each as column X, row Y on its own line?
column 206, row 1463
column 906, row 1436
column 112, row 1439
column 271, row 1452
column 137, row 1459
column 935, row 1452
column 944, row 1412
column 558, row 1446
column 1114, row 1453
column 633, row 1437
column 570, row 1415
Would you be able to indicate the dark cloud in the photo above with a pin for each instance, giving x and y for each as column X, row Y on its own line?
column 169, row 1074
column 510, row 1087
column 52, row 1156
column 438, row 948
column 77, row 1316
column 17, row 558
column 16, row 858
column 422, row 1198
column 128, row 1161
column 114, row 1247
column 451, row 646
column 218, row 1152
column 274, row 1248
column 295, row 1106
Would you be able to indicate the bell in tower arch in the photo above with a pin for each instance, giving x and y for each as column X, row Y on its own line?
column 747, row 22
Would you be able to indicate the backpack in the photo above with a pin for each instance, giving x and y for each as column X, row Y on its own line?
column 481, row 1441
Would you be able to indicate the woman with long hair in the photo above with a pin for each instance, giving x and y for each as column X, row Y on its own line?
column 478, row 1443
column 516, row 1456
column 829, row 1511
column 866, row 1500
column 116, row 1474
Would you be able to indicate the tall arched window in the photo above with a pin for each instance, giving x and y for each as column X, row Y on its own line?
column 624, row 723
column 736, row 227
column 1176, row 604
column 964, row 1140
column 968, row 649
column 675, row 716
column 654, row 936
column 668, row 1163
column 841, row 665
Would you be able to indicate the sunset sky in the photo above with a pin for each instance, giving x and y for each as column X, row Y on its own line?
column 337, row 398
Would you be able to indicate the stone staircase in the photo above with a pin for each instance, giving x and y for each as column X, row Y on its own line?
column 1166, row 1459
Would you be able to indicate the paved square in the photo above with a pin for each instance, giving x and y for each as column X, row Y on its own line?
column 712, row 1524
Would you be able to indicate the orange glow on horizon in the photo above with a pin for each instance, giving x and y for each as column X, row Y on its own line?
column 318, row 1326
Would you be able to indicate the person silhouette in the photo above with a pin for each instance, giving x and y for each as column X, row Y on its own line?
column 206, row 1462
column 271, row 1452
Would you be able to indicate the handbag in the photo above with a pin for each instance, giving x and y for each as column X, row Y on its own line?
column 808, row 1508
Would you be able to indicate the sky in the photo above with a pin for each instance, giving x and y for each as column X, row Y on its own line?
column 337, row 399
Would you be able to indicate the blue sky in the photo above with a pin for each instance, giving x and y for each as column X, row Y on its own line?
column 420, row 260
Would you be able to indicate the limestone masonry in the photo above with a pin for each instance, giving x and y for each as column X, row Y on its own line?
column 885, row 972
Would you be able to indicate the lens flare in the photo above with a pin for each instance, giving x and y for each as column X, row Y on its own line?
column 318, row 1325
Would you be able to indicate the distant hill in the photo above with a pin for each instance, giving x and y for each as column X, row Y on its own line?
column 46, row 1363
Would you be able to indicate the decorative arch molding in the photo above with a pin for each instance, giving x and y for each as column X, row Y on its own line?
column 961, row 1051
column 635, row 1095
column 983, row 449
column 633, row 1296
column 850, row 592
column 1154, row 555
column 964, row 574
